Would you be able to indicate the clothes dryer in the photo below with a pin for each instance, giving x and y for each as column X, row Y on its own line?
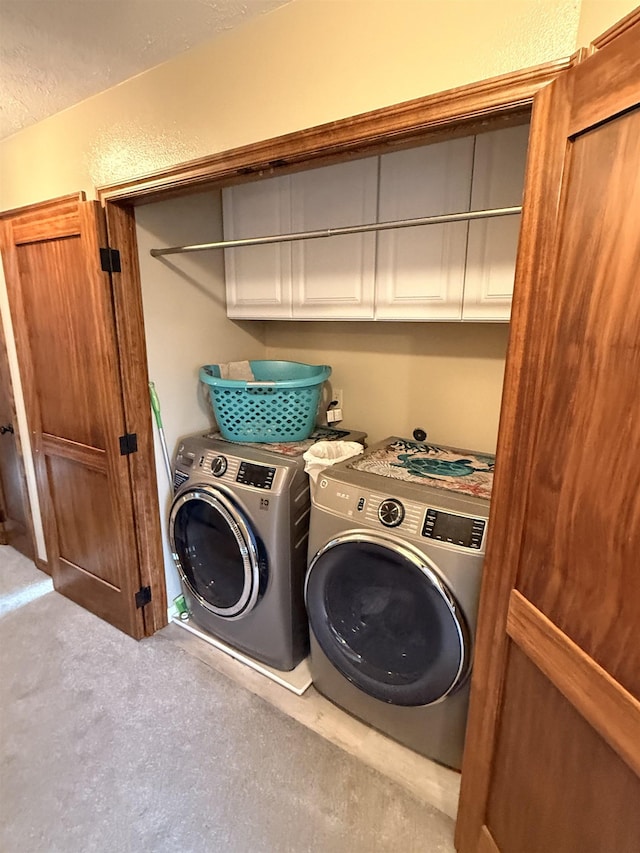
column 396, row 546
column 238, row 528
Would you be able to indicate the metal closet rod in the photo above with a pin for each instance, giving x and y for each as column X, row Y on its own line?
column 347, row 229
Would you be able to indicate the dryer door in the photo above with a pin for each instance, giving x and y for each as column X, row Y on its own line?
column 216, row 552
column 385, row 619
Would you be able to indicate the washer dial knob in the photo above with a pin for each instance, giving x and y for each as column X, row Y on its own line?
column 218, row 466
column 391, row 512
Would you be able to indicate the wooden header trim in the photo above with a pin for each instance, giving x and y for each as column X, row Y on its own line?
column 399, row 125
column 618, row 29
column 612, row 711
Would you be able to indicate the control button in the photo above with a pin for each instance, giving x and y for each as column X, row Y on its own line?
column 324, row 483
column 218, row 466
column 360, row 504
column 391, row 512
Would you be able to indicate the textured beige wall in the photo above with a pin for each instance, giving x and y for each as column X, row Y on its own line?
column 306, row 63
column 443, row 377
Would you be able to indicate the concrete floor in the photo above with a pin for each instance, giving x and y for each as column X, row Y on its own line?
column 108, row 744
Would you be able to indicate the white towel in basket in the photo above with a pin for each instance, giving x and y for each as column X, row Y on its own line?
column 236, row 370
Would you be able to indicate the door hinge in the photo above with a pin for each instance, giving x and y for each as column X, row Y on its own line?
column 128, row 443
column 110, row 260
column 143, row 596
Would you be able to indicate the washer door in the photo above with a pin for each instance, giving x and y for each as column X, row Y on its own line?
column 385, row 619
column 216, row 552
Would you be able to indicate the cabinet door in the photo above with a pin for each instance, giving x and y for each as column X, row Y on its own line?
column 258, row 278
column 420, row 272
column 498, row 178
column 333, row 277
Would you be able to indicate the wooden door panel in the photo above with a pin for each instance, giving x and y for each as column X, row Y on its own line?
column 552, row 758
column 568, row 791
column 67, row 363
column 64, row 317
column 85, row 518
column 580, row 547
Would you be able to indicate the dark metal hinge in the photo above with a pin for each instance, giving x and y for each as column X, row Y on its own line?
column 128, row 443
column 143, row 596
column 110, row 260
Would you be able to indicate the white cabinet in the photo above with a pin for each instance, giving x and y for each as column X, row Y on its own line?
column 309, row 279
column 420, row 270
column 451, row 271
column 334, row 277
column 258, row 278
column 498, row 180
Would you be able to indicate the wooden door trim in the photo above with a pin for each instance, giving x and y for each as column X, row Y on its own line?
column 458, row 111
column 128, row 308
column 516, row 445
column 612, row 711
column 618, row 29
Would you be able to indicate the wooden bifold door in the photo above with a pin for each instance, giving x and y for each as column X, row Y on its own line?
column 64, row 313
column 552, row 759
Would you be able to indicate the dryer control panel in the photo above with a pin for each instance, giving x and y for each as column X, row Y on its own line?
column 408, row 518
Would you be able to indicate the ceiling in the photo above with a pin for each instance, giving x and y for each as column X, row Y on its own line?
column 56, row 53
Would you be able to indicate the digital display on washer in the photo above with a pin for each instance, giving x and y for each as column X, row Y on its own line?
column 456, row 529
column 258, row 476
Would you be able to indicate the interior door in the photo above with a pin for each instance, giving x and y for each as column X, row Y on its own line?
column 15, row 516
column 552, row 759
column 62, row 306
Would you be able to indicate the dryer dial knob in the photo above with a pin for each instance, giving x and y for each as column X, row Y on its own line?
column 391, row 512
column 218, row 466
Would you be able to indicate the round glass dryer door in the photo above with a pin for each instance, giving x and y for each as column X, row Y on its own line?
column 385, row 620
column 216, row 552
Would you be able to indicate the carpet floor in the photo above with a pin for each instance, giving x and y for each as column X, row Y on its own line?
column 108, row 744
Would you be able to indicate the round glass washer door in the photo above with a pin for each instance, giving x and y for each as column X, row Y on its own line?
column 384, row 618
column 216, row 552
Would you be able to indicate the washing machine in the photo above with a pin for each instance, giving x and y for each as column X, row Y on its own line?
column 396, row 546
column 238, row 528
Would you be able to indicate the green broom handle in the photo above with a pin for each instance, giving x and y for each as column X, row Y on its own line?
column 155, row 405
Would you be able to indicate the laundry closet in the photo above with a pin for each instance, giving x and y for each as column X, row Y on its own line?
column 413, row 320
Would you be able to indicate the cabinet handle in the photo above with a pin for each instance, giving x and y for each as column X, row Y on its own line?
column 7, row 428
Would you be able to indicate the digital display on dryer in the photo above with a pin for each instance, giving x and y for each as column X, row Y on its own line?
column 258, row 476
column 454, row 529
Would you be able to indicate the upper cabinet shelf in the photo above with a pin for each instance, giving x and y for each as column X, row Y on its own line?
column 453, row 271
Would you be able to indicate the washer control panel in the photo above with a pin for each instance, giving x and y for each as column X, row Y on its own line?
column 459, row 530
column 257, row 476
column 207, row 464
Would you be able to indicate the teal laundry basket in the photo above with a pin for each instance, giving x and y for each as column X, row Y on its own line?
column 279, row 405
